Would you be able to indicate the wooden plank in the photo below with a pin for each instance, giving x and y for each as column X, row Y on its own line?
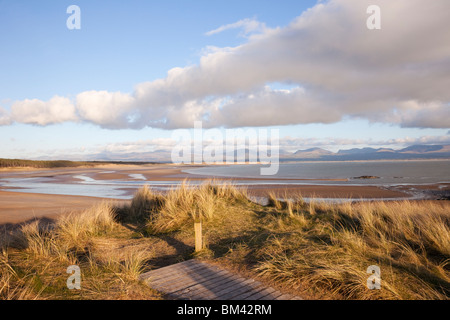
column 245, row 295
column 272, row 296
column 195, row 280
column 190, row 281
column 211, row 294
column 260, row 294
column 161, row 272
column 174, row 273
column 207, row 291
column 199, row 287
column 187, row 280
column 225, row 283
column 231, row 286
column 179, row 264
column 177, row 285
column 245, row 286
column 214, row 284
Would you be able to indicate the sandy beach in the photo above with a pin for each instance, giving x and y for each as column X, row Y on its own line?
column 19, row 205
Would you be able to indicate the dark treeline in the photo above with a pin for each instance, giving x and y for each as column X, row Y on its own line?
column 5, row 163
column 8, row 163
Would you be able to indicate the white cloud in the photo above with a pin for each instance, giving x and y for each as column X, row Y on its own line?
column 413, row 113
column 4, row 117
column 107, row 109
column 247, row 25
column 139, row 146
column 56, row 110
column 398, row 75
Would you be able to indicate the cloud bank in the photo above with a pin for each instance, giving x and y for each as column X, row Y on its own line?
column 336, row 68
column 160, row 149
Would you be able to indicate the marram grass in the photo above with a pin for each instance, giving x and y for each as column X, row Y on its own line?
column 315, row 250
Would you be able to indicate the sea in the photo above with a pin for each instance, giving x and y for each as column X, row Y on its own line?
column 382, row 173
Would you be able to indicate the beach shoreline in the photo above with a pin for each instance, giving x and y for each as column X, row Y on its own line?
column 18, row 205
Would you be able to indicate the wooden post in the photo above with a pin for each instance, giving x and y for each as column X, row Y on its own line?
column 198, row 236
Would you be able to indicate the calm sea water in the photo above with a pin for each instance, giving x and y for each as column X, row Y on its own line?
column 389, row 172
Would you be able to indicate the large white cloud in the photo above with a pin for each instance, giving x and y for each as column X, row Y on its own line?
column 107, row 109
column 56, row 110
column 399, row 74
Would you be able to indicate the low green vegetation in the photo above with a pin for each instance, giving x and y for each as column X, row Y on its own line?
column 19, row 163
column 15, row 163
column 314, row 250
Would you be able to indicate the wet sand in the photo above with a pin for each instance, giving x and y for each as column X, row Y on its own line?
column 102, row 172
column 18, row 207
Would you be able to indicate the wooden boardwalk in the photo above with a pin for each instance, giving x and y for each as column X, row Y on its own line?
column 196, row 280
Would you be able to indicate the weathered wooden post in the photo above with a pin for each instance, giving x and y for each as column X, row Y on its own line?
column 198, row 235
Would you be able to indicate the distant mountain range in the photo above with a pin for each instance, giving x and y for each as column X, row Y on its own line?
column 312, row 154
column 409, row 153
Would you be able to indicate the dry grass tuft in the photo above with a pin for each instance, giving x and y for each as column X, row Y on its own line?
column 187, row 203
column 144, row 203
column 77, row 228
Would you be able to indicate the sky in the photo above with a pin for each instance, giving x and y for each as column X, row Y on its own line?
column 138, row 70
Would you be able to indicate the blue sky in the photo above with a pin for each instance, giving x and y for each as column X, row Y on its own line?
column 124, row 44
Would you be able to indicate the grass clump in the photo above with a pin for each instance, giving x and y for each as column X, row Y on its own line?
column 77, row 228
column 182, row 205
